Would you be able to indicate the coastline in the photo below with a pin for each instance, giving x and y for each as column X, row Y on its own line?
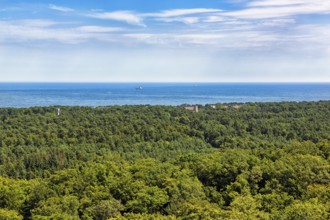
column 214, row 106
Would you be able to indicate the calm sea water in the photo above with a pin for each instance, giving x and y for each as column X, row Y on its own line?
column 104, row 94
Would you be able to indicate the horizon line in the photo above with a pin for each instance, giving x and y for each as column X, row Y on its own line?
column 164, row 82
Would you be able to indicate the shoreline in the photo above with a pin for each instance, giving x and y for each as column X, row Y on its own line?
column 234, row 105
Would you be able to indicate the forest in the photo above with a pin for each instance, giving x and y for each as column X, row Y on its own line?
column 227, row 161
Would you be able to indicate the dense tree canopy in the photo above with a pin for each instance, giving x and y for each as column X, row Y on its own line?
column 235, row 161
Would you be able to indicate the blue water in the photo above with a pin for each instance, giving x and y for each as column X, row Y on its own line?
column 105, row 94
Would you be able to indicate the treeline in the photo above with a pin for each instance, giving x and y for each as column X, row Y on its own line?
column 237, row 161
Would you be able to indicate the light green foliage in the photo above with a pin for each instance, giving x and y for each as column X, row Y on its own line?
column 138, row 216
column 245, row 207
column 305, row 210
column 9, row 215
column 12, row 195
column 65, row 207
column 104, row 209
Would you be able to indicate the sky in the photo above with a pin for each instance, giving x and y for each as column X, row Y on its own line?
column 165, row 41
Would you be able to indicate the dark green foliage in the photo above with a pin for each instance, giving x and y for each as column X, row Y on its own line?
column 238, row 161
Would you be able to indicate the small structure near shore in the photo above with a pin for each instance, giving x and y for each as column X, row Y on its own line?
column 193, row 108
column 234, row 105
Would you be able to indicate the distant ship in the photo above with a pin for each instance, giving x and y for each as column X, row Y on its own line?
column 139, row 88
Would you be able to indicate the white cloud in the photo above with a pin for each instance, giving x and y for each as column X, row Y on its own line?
column 209, row 28
column 186, row 16
column 99, row 29
column 277, row 22
column 274, row 9
column 202, row 39
column 313, row 35
column 39, row 30
column 215, row 18
column 276, row 2
column 60, row 8
column 181, row 12
column 11, row 33
column 240, row 37
column 33, row 22
column 178, row 38
column 233, row 34
column 186, row 20
column 125, row 16
column 175, row 15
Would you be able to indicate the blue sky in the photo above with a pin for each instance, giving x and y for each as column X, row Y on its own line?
column 165, row 41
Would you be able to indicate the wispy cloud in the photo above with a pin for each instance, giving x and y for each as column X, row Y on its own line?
column 229, row 36
column 225, row 40
column 186, row 16
column 33, row 23
column 44, row 30
column 19, row 33
column 60, row 8
column 279, row 8
column 261, row 24
column 277, row 2
column 181, row 12
column 125, row 16
column 277, row 22
column 186, row 20
column 98, row 29
column 177, row 38
column 215, row 18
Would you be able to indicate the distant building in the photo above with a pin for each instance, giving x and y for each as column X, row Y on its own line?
column 234, row 105
column 193, row 108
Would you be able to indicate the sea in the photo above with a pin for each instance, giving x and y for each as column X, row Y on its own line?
column 108, row 94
